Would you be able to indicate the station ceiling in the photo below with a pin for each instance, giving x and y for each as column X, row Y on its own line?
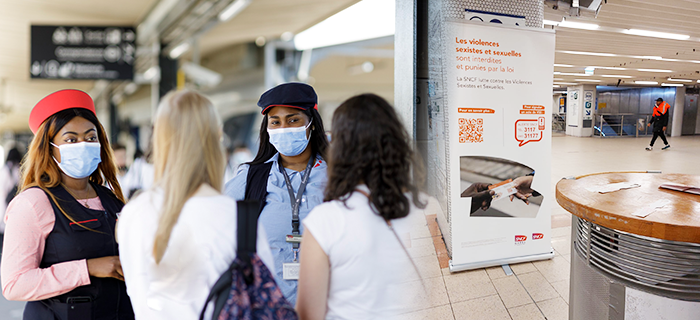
column 623, row 55
column 18, row 94
column 679, row 59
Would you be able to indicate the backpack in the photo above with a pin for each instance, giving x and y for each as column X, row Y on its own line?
column 247, row 290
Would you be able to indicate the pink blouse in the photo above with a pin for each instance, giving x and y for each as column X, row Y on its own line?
column 29, row 219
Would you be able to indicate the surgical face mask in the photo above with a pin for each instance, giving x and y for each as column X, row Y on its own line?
column 289, row 141
column 79, row 160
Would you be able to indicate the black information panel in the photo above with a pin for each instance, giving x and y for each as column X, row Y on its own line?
column 80, row 52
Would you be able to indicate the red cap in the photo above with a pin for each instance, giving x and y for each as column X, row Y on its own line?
column 59, row 101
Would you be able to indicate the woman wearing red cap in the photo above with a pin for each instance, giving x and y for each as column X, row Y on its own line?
column 60, row 253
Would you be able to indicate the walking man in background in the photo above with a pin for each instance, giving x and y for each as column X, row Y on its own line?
column 660, row 120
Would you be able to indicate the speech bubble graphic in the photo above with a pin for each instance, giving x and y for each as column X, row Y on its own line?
column 526, row 131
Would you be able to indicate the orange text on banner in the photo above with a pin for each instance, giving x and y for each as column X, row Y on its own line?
column 475, row 110
column 532, row 107
column 531, row 111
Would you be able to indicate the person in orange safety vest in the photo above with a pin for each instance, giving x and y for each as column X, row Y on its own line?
column 660, row 120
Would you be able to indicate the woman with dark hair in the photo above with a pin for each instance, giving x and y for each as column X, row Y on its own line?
column 60, row 253
column 355, row 259
column 288, row 174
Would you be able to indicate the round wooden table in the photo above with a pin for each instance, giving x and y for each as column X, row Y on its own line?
column 624, row 266
column 677, row 221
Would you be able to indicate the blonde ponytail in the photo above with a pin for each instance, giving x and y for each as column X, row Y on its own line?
column 187, row 153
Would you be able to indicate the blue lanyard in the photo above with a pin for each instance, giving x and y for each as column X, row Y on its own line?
column 296, row 200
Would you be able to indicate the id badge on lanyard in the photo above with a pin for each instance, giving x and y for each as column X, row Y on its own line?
column 290, row 270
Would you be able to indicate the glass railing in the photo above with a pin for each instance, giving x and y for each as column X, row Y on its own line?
column 559, row 122
column 621, row 125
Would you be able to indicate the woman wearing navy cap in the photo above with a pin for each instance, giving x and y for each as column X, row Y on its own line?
column 60, row 253
column 288, row 175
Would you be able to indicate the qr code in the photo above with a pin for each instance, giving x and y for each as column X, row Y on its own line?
column 471, row 130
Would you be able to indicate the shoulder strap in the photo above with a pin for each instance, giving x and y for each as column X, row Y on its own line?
column 247, row 227
column 247, row 234
column 256, row 183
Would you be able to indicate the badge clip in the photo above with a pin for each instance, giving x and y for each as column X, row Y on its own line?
column 291, row 238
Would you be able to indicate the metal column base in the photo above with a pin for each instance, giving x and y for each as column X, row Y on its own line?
column 621, row 276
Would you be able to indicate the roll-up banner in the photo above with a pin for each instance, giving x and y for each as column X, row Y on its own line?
column 498, row 114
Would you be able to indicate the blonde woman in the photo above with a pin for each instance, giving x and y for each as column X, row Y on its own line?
column 178, row 237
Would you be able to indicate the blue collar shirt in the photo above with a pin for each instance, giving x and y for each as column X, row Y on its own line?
column 276, row 217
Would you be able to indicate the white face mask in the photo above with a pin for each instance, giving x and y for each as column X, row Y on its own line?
column 79, row 160
column 289, row 141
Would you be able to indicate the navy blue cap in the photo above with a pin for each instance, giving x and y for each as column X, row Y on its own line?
column 293, row 95
column 659, row 99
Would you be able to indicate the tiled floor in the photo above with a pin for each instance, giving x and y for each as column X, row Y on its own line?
column 537, row 290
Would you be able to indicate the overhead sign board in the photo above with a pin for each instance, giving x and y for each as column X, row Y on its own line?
column 81, row 52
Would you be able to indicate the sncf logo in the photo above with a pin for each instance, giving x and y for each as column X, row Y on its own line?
column 537, row 236
column 520, row 239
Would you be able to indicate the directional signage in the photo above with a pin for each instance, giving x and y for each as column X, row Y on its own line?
column 80, row 52
column 588, row 105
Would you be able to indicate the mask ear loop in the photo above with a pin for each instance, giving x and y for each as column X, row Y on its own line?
column 312, row 128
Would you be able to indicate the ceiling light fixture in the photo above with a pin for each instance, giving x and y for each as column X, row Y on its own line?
column 589, row 53
column 679, row 80
column 179, row 50
column 646, row 82
column 654, row 70
column 649, row 57
column 614, row 76
column 672, row 84
column 574, row 74
column 550, row 22
column 563, row 65
column 579, row 25
column 587, row 80
column 611, row 68
column 233, row 9
column 569, row 83
column 151, row 74
column 655, row 34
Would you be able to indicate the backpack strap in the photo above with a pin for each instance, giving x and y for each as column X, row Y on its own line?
column 256, row 183
column 247, row 235
column 247, row 227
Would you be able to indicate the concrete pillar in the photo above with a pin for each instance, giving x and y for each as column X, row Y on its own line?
column 678, row 106
column 405, row 63
column 580, row 110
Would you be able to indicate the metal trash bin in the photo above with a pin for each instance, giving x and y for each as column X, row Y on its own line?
column 625, row 267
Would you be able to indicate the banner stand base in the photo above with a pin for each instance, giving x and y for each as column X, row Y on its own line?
column 500, row 262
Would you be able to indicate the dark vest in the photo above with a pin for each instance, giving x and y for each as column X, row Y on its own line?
column 256, row 183
column 69, row 242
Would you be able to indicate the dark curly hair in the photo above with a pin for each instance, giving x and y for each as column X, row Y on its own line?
column 369, row 145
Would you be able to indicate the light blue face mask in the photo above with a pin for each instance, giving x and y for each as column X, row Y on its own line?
column 79, row 160
column 289, row 141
